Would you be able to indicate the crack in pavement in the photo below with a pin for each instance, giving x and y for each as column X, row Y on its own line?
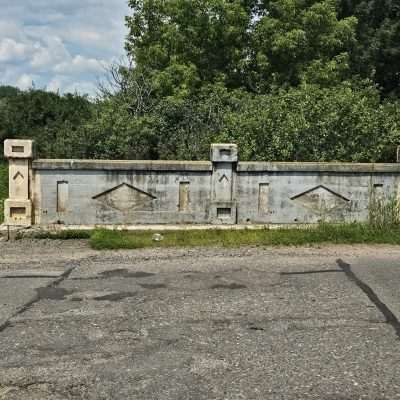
column 38, row 297
column 391, row 319
column 28, row 276
column 319, row 271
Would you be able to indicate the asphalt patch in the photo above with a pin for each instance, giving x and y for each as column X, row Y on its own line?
column 222, row 322
column 153, row 285
column 124, row 273
column 115, row 296
column 52, row 293
column 232, row 286
column 256, row 328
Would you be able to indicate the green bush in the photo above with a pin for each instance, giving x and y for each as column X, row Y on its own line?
column 346, row 122
column 384, row 213
column 342, row 122
column 309, row 123
column 54, row 121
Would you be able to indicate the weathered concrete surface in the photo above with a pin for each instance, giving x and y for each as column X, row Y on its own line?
column 286, row 323
column 117, row 165
column 221, row 191
column 18, row 206
column 270, row 193
column 20, row 148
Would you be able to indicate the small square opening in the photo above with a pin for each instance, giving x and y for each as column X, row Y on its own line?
column 225, row 153
column 17, row 149
column 224, row 212
column 17, row 212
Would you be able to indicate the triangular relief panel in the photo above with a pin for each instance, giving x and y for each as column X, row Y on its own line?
column 322, row 200
column 125, row 198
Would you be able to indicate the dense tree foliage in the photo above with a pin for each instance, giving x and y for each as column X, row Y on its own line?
column 285, row 79
column 377, row 54
column 54, row 121
column 183, row 45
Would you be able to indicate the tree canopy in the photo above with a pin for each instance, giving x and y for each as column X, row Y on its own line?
column 311, row 80
column 182, row 45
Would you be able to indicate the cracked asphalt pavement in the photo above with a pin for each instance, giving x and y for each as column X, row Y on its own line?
column 248, row 323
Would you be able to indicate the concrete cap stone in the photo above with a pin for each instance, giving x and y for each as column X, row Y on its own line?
column 17, row 148
column 224, row 152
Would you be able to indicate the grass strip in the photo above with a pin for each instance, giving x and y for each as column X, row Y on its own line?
column 324, row 233
column 58, row 235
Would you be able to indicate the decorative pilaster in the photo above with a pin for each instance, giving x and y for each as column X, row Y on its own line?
column 223, row 203
column 18, row 206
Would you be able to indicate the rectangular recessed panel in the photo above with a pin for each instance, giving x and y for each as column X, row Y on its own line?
column 223, row 182
column 225, row 152
column 378, row 191
column 17, row 149
column 17, row 212
column 62, row 196
column 224, row 212
column 184, row 196
column 263, row 198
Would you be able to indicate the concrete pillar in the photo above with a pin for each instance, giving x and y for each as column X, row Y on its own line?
column 18, row 206
column 223, row 203
column 398, row 154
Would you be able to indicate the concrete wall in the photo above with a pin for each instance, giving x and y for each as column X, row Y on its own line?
column 220, row 191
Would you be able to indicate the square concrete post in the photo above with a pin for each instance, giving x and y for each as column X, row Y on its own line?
column 398, row 154
column 18, row 206
column 223, row 203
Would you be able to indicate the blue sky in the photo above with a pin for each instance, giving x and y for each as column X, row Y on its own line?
column 60, row 44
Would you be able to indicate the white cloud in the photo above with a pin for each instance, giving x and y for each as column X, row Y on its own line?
column 12, row 51
column 87, row 37
column 57, row 83
column 59, row 44
column 51, row 51
column 25, row 81
column 81, row 87
column 9, row 29
column 80, row 64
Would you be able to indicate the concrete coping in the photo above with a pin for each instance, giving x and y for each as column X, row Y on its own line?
column 317, row 167
column 120, row 165
column 206, row 166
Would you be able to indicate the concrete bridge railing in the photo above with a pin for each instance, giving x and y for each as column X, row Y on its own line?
column 220, row 191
